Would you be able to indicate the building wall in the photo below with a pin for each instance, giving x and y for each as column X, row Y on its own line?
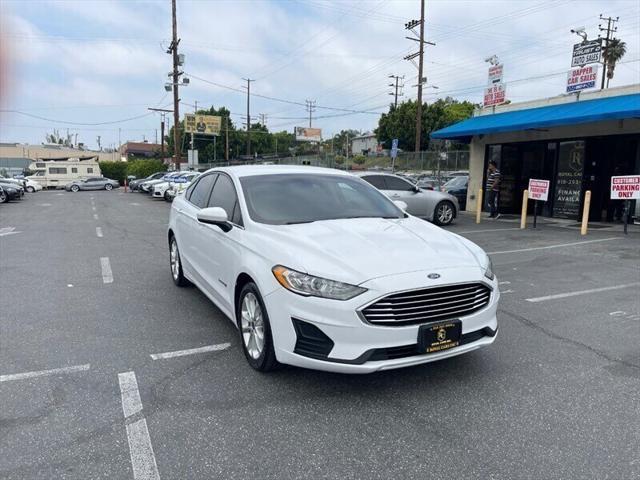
column 478, row 144
column 360, row 144
column 35, row 152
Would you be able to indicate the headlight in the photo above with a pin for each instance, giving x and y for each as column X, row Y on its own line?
column 488, row 269
column 308, row 285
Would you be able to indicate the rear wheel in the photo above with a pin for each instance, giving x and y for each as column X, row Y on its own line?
column 255, row 330
column 108, row 186
column 445, row 211
column 31, row 189
column 75, row 188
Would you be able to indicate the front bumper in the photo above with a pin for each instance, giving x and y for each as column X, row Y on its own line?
column 359, row 347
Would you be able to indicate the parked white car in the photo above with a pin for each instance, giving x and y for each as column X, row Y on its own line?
column 160, row 189
column 319, row 269
column 32, row 186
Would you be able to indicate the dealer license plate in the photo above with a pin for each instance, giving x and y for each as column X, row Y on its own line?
column 437, row 337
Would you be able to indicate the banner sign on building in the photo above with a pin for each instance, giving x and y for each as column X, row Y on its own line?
column 625, row 187
column 586, row 52
column 495, row 94
column 495, row 74
column 538, row 189
column 582, row 78
column 202, row 124
column 304, row 134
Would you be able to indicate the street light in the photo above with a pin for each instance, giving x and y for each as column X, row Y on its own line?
column 580, row 32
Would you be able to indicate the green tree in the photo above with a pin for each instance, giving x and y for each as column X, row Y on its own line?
column 144, row 167
column 340, row 141
column 114, row 170
column 400, row 121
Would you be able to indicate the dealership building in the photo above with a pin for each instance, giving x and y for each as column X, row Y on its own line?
column 576, row 141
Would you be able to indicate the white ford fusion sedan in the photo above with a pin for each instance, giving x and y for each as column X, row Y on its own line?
column 319, row 269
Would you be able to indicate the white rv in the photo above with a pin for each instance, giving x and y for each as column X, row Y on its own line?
column 57, row 173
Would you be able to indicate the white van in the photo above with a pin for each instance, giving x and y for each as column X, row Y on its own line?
column 56, row 174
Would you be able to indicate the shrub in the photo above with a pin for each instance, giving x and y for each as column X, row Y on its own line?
column 144, row 167
column 114, row 170
column 359, row 159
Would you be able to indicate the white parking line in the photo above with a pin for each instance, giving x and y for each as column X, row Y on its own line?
column 95, row 216
column 93, row 207
column 504, row 283
column 191, row 351
column 489, row 230
column 45, row 373
column 131, row 403
column 107, row 275
column 99, row 232
column 560, row 245
column 143, row 460
column 581, row 292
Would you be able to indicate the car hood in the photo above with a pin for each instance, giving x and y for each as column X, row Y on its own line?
column 357, row 250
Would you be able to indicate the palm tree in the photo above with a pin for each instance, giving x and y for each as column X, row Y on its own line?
column 613, row 52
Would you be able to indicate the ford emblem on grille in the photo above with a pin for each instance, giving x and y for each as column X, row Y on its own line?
column 433, row 276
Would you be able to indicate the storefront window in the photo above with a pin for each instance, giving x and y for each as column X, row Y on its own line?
column 569, row 180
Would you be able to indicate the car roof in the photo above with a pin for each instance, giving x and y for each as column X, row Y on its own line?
column 252, row 170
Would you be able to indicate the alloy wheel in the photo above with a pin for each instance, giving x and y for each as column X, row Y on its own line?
column 174, row 258
column 444, row 213
column 252, row 324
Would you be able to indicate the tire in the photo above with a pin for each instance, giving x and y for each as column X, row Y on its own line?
column 166, row 197
column 75, row 188
column 255, row 330
column 108, row 187
column 31, row 189
column 4, row 198
column 176, row 264
column 444, row 213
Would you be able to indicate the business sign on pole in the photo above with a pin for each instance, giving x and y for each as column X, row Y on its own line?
column 394, row 148
column 495, row 74
column 304, row 134
column 582, row 78
column 586, row 52
column 538, row 189
column 626, row 187
column 202, row 124
column 495, row 94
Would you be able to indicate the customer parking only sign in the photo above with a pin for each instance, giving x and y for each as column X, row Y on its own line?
column 625, row 187
column 538, row 189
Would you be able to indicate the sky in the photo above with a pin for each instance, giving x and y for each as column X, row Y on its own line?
column 95, row 66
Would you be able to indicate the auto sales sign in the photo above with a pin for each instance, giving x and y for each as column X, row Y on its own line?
column 586, row 52
column 582, row 78
column 626, row 187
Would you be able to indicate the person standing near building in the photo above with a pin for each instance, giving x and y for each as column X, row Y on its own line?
column 493, row 189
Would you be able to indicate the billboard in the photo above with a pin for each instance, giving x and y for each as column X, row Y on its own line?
column 495, row 94
column 304, row 134
column 495, row 74
column 202, row 124
column 586, row 52
column 582, row 78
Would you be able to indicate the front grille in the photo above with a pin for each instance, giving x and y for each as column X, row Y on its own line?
column 428, row 304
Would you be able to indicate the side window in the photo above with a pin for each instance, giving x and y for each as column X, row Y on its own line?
column 375, row 180
column 224, row 196
column 199, row 196
column 394, row 183
column 58, row 170
column 89, row 170
column 74, row 170
column 41, row 165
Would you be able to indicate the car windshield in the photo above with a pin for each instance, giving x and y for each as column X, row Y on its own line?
column 285, row 199
column 456, row 182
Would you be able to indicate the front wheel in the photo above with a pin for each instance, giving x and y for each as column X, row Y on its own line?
column 444, row 213
column 255, row 330
column 75, row 188
column 31, row 189
column 4, row 198
column 108, row 186
column 176, row 265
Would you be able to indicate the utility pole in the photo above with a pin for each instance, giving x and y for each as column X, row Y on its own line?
column 397, row 86
column 610, row 23
column 248, row 80
column 311, row 107
column 98, row 142
column 418, row 37
column 163, row 112
column 226, row 134
column 173, row 49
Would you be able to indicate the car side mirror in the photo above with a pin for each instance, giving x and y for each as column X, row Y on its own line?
column 415, row 189
column 214, row 216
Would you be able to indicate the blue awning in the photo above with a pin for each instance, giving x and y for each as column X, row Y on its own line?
column 611, row 108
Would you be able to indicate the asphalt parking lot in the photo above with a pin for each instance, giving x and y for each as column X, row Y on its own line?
column 85, row 291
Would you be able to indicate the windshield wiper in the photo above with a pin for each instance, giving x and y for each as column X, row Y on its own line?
column 301, row 221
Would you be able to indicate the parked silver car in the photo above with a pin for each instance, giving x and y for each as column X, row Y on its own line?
column 437, row 207
column 92, row 183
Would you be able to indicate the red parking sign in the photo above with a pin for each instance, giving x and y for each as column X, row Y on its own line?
column 538, row 189
column 625, row 187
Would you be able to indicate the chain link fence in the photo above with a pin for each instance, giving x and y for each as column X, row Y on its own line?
column 432, row 162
